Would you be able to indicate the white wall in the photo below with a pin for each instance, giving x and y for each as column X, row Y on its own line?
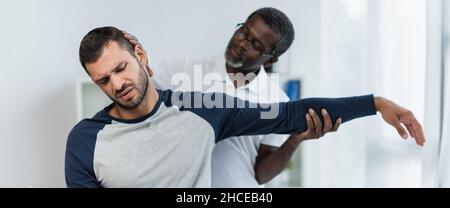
column 39, row 57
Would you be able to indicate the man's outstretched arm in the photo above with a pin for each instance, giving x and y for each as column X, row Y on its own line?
column 392, row 113
column 244, row 118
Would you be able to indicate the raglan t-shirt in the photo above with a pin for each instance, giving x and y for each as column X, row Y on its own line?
column 172, row 145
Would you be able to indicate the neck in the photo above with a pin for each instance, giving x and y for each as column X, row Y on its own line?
column 241, row 78
column 146, row 106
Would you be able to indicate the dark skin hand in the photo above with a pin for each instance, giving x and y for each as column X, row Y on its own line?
column 271, row 161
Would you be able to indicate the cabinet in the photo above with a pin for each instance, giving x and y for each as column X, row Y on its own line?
column 90, row 98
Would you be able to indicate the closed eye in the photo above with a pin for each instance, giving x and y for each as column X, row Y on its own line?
column 120, row 69
column 103, row 81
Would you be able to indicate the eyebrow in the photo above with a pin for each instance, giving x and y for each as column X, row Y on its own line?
column 118, row 67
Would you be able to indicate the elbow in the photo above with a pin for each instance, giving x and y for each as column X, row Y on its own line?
column 261, row 178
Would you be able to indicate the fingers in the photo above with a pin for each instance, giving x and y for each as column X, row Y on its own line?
column 420, row 137
column 317, row 122
column 309, row 123
column 414, row 127
column 413, row 134
column 132, row 39
column 337, row 124
column 129, row 36
column 328, row 126
column 401, row 131
column 310, row 130
column 411, row 130
column 133, row 42
column 327, row 120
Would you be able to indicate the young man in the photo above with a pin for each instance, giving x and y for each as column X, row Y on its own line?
column 153, row 138
column 244, row 161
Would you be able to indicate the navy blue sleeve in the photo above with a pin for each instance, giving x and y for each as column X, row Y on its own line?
column 246, row 118
column 79, row 158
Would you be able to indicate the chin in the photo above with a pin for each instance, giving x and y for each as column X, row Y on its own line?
column 235, row 65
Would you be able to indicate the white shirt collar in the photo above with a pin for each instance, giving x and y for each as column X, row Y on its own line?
column 258, row 85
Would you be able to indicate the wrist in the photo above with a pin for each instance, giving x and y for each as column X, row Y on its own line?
column 295, row 139
column 379, row 103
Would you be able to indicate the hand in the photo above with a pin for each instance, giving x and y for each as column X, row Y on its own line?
column 134, row 42
column 315, row 128
column 396, row 115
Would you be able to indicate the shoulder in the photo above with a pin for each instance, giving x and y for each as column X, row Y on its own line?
column 84, row 133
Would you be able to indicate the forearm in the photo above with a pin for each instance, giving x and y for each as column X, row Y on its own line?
column 244, row 118
column 274, row 163
column 291, row 118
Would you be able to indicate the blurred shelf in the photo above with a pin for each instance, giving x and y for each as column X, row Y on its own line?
column 90, row 99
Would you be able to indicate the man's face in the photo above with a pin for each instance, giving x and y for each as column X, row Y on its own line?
column 119, row 74
column 249, row 42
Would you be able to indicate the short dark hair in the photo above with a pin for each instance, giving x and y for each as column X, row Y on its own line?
column 93, row 43
column 280, row 24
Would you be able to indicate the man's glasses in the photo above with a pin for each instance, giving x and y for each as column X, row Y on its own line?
column 251, row 44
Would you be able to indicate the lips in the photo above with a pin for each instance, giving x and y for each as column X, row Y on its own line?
column 125, row 94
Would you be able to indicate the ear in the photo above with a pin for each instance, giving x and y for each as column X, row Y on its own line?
column 143, row 59
column 271, row 61
column 140, row 53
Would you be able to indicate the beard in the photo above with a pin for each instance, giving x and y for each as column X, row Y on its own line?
column 237, row 61
column 141, row 92
column 233, row 63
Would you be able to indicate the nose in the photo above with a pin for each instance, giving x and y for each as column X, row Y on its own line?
column 243, row 44
column 116, row 82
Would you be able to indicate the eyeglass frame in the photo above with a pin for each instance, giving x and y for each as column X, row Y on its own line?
column 245, row 37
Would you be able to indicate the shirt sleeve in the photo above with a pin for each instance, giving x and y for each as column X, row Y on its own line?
column 275, row 140
column 230, row 116
column 79, row 171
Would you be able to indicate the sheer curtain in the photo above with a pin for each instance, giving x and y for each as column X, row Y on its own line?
column 444, row 160
column 369, row 46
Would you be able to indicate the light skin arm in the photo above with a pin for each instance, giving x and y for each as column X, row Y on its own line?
column 271, row 160
column 400, row 118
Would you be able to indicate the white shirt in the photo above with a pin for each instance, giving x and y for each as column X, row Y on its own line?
column 234, row 158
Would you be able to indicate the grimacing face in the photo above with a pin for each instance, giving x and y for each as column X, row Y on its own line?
column 120, row 75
